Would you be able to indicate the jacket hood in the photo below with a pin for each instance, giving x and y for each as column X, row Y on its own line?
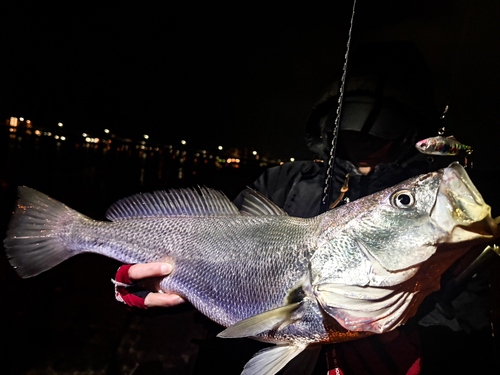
column 388, row 95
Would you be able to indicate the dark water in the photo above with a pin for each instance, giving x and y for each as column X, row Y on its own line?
column 66, row 321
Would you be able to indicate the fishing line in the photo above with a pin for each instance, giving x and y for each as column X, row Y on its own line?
column 331, row 161
column 468, row 163
column 454, row 72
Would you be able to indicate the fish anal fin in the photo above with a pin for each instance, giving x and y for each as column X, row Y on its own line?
column 271, row 360
column 304, row 362
column 266, row 321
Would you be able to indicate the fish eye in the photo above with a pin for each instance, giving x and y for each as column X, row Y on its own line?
column 403, row 199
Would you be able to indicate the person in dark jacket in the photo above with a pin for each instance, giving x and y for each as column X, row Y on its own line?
column 388, row 106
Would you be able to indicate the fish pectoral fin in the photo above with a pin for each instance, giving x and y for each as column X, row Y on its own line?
column 259, row 323
column 270, row 360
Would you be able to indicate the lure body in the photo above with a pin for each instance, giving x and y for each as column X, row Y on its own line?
column 440, row 145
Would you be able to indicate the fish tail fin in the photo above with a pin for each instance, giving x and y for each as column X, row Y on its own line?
column 34, row 241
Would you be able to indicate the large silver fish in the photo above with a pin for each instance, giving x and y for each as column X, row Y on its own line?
column 360, row 269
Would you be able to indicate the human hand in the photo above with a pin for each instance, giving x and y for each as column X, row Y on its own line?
column 137, row 295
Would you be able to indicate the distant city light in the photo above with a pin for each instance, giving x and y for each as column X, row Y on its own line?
column 20, row 126
column 21, row 118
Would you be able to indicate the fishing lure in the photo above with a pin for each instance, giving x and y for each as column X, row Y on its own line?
column 442, row 146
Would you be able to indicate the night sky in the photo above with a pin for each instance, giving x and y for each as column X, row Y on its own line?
column 238, row 74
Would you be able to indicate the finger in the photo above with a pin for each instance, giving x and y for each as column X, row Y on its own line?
column 143, row 271
column 162, row 300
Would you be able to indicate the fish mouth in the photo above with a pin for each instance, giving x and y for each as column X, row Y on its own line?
column 460, row 209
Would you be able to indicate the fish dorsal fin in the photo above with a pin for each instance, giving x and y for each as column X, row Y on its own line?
column 256, row 204
column 175, row 202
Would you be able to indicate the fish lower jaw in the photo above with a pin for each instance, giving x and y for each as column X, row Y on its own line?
column 482, row 231
column 482, row 227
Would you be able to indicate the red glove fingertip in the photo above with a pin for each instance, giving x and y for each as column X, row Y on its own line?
column 133, row 301
column 122, row 274
column 122, row 294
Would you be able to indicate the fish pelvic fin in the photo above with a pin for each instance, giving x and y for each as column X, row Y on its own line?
column 271, row 360
column 266, row 321
column 34, row 243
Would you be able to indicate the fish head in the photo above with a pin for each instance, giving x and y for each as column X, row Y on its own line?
column 460, row 210
column 372, row 273
column 411, row 220
column 426, row 145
